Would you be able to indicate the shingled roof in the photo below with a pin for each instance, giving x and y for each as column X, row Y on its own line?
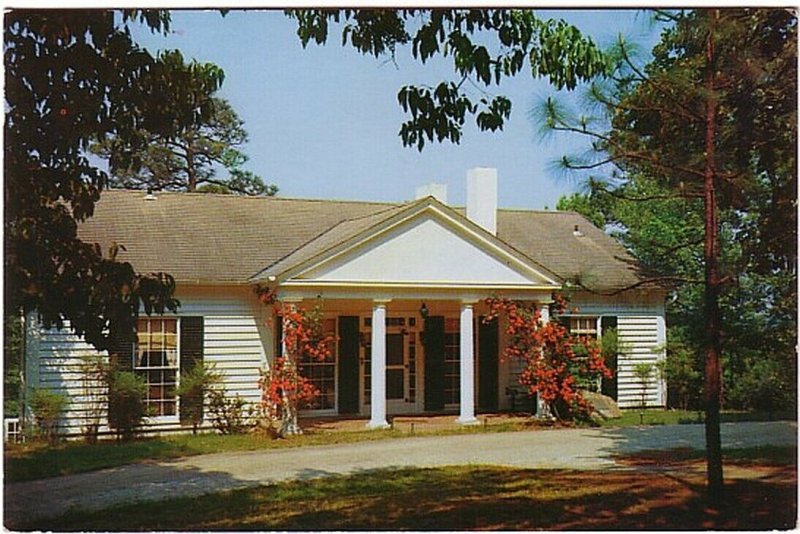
column 224, row 239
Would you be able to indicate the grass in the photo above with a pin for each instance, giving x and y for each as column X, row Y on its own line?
column 635, row 417
column 37, row 460
column 774, row 455
column 466, row 498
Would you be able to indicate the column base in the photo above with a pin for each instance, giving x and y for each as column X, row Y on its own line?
column 378, row 425
column 467, row 421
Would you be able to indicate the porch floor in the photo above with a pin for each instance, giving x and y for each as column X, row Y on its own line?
column 409, row 423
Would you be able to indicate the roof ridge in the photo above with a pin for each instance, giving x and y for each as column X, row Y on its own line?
column 256, row 197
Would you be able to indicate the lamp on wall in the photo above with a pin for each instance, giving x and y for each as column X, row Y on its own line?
column 423, row 311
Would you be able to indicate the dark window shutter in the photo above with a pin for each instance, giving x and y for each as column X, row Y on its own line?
column 191, row 343
column 488, row 361
column 120, row 358
column 434, row 363
column 278, row 336
column 608, row 386
column 120, row 352
column 348, row 365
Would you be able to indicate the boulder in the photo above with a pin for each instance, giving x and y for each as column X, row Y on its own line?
column 604, row 406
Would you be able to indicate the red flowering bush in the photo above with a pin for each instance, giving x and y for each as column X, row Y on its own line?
column 556, row 362
column 284, row 389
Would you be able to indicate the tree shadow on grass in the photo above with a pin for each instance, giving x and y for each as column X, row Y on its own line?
column 464, row 498
column 33, row 505
column 491, row 499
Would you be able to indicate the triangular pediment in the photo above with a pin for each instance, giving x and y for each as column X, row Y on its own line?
column 431, row 247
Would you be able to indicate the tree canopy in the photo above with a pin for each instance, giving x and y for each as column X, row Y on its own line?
column 187, row 158
column 706, row 130
column 485, row 45
column 74, row 77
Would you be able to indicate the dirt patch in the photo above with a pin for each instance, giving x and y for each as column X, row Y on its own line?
column 417, row 423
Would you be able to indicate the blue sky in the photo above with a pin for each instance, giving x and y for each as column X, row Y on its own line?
column 323, row 121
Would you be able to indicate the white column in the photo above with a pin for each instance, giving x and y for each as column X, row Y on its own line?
column 542, row 410
column 378, row 378
column 467, row 362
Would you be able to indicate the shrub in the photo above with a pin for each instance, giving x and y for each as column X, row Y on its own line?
column 229, row 415
column 94, row 375
column 644, row 374
column 681, row 370
column 762, row 386
column 47, row 407
column 126, row 406
column 193, row 388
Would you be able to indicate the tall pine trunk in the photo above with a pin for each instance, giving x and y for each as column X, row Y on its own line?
column 713, row 349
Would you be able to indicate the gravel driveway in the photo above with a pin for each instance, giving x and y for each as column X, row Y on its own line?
column 195, row 475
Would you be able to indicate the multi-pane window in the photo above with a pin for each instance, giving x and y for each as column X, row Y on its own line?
column 452, row 366
column 322, row 373
column 156, row 360
column 583, row 326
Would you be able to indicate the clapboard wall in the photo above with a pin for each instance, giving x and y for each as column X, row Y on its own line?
column 236, row 331
column 642, row 336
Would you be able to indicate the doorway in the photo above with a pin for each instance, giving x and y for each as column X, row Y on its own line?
column 402, row 366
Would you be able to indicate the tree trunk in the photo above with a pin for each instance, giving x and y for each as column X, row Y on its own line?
column 289, row 424
column 191, row 173
column 713, row 382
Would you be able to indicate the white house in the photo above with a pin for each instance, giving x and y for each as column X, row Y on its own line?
column 383, row 271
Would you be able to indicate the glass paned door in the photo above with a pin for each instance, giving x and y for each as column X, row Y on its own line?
column 395, row 367
column 401, row 365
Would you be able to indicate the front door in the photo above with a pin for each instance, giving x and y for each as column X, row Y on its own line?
column 401, row 369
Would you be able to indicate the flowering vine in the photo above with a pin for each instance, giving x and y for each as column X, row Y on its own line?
column 556, row 362
column 284, row 390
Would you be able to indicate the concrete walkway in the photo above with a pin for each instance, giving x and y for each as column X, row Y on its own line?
column 196, row 475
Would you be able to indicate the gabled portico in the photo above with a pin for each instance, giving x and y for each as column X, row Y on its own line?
column 381, row 271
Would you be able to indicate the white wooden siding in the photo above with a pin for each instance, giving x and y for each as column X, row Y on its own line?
column 642, row 332
column 640, row 340
column 234, row 342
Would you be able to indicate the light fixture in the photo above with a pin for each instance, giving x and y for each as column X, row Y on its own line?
column 423, row 311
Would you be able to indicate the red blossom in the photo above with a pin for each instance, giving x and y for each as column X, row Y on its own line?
column 552, row 369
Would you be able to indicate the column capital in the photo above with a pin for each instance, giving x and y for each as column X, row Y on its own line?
column 381, row 302
column 469, row 302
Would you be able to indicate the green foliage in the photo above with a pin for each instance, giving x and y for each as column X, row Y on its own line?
column 185, row 159
column 644, row 374
column 13, row 346
column 682, row 370
column 647, row 178
column 582, row 204
column 194, row 386
column 515, row 38
column 229, row 414
column 73, row 77
column 763, row 385
column 94, row 377
column 126, row 403
column 47, row 408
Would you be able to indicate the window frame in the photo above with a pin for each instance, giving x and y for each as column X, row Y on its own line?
column 143, row 371
column 334, row 364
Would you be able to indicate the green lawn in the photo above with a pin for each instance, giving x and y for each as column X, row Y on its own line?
column 634, row 417
column 467, row 498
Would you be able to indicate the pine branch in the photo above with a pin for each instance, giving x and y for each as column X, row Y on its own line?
column 653, row 280
column 646, row 79
column 621, row 196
